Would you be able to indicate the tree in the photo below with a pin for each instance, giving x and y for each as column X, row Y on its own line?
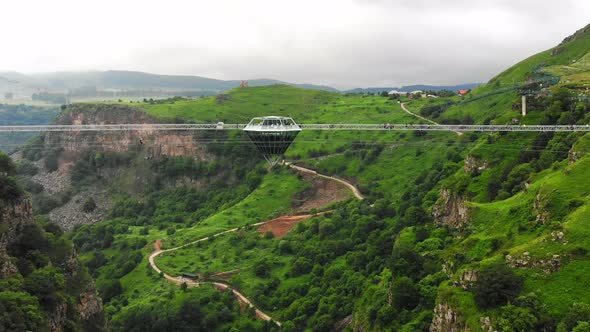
column 110, row 289
column 496, row 284
column 45, row 282
column 89, row 205
column 404, row 293
column 183, row 287
column 20, row 312
column 6, row 165
column 51, row 162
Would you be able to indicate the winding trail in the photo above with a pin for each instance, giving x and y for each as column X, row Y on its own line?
column 403, row 105
column 350, row 186
column 225, row 286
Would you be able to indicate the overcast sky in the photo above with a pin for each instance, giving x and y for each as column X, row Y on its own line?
column 342, row 43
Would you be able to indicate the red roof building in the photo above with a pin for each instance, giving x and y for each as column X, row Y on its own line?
column 463, row 92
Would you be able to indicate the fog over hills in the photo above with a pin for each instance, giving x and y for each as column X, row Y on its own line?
column 114, row 83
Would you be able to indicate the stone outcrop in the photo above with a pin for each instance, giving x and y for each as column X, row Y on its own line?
column 58, row 316
column 558, row 236
column 543, row 214
column 525, row 261
column 90, row 306
column 466, row 279
column 573, row 156
column 446, row 319
column 451, row 210
column 472, row 163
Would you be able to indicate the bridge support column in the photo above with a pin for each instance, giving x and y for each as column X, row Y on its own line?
column 523, row 105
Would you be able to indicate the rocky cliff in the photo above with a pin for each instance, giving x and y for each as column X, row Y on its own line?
column 68, row 148
column 446, row 319
column 451, row 210
column 15, row 216
column 154, row 143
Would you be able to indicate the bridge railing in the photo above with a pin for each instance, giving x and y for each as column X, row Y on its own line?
column 334, row 126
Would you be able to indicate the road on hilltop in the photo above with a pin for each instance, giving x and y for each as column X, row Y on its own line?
column 403, row 105
column 225, row 286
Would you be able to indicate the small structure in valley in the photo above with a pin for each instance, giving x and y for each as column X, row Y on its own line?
column 189, row 275
column 272, row 135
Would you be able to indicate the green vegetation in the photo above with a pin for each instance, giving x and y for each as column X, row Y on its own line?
column 489, row 225
column 40, row 272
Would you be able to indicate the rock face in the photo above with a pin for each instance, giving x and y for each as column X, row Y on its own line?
column 164, row 143
column 90, row 306
column 543, row 214
column 58, row 316
column 451, row 210
column 446, row 319
column 14, row 216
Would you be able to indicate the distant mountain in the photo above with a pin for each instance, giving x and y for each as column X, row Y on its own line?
column 117, row 83
column 409, row 88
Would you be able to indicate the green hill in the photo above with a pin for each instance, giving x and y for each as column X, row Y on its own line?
column 457, row 231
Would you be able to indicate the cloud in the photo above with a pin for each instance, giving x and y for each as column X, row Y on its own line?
column 345, row 43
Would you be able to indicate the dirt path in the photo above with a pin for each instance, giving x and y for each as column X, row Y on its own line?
column 350, row 186
column 282, row 225
column 403, row 105
column 224, row 286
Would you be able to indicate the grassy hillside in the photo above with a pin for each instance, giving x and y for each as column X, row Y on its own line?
column 486, row 224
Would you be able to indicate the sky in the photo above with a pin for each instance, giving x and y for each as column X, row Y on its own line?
column 341, row 43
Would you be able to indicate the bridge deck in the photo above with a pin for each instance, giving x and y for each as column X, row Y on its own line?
column 335, row 126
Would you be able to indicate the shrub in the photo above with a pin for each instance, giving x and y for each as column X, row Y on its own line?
column 51, row 160
column 6, row 165
column 516, row 319
column 26, row 167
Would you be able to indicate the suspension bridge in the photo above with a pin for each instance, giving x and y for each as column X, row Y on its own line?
column 303, row 126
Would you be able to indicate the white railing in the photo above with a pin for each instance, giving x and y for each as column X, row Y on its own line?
column 337, row 126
